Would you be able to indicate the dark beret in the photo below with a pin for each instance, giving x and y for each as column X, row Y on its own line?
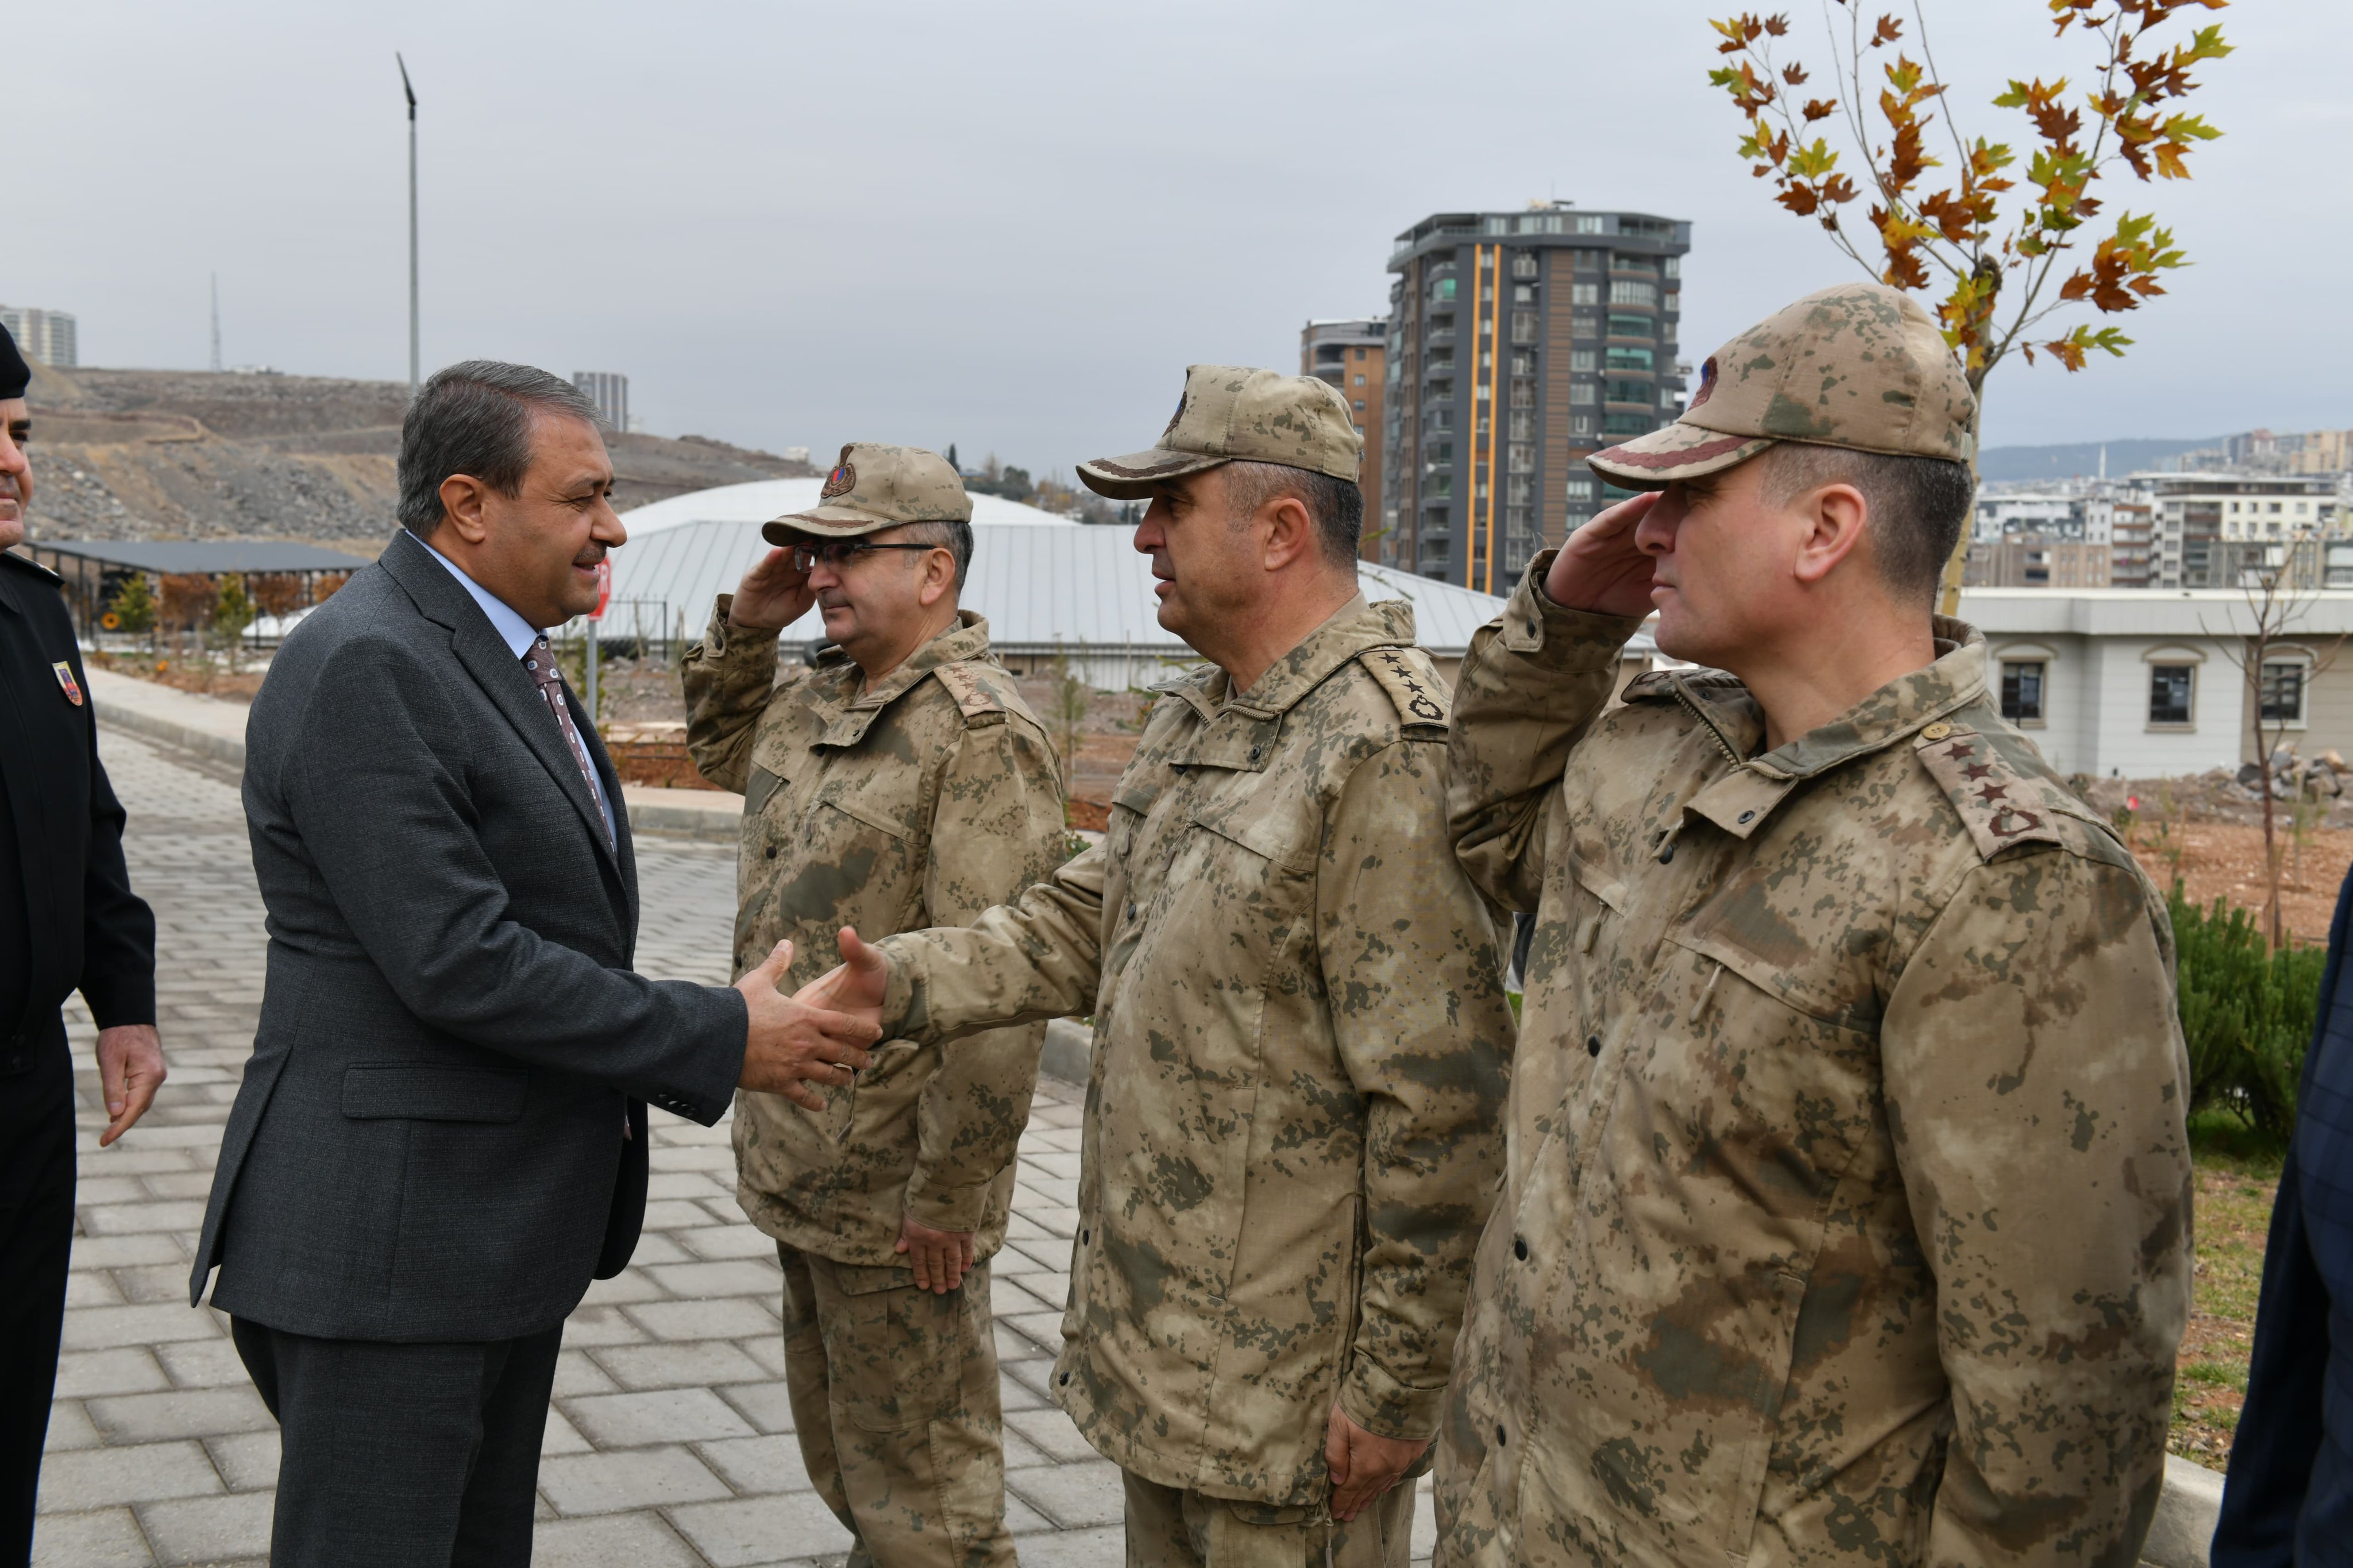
column 14, row 373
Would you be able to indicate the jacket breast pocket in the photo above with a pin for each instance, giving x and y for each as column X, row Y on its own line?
column 379, row 1090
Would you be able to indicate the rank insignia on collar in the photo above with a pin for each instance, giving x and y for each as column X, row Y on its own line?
column 65, row 681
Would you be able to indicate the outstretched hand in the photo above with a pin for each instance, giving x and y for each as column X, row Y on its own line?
column 856, row 985
column 1601, row 568
column 790, row 1044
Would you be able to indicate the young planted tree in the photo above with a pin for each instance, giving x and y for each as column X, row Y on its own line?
column 1999, row 257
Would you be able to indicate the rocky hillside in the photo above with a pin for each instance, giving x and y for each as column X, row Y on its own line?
column 156, row 454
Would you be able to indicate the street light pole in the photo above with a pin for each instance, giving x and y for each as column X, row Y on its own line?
column 410, row 93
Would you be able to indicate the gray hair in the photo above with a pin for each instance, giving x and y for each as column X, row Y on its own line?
column 474, row 418
column 953, row 537
column 1337, row 506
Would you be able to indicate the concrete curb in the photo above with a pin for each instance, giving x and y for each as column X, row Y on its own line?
column 2181, row 1535
column 214, row 730
column 1069, row 1050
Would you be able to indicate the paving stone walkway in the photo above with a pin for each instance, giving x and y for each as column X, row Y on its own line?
column 670, row 1442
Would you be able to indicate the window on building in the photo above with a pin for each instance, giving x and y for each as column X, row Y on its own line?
column 1669, row 398
column 1442, row 484
column 1588, row 261
column 1360, row 381
column 1583, row 394
column 1617, row 390
column 1630, row 326
column 1524, row 394
column 2171, row 689
column 1632, row 291
column 1671, row 300
column 1581, row 360
column 1627, row 359
column 1442, row 292
column 1361, row 353
column 1524, row 265
column 1523, row 293
column 1621, row 425
column 1360, row 402
column 1523, row 364
column 1579, row 489
column 2021, row 689
column 1436, row 452
column 1524, row 326
column 1585, row 326
column 1581, row 424
column 1585, row 293
column 1441, row 324
column 1520, row 459
column 1441, row 388
column 2284, row 682
column 1518, row 491
column 1673, row 267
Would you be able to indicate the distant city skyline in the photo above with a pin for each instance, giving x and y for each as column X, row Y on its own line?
column 1029, row 267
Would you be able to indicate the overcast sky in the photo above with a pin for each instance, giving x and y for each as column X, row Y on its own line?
column 1011, row 225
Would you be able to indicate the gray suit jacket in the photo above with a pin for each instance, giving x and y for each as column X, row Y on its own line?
column 428, row 1144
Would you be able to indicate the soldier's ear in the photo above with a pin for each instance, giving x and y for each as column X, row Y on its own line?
column 1834, row 518
column 938, row 580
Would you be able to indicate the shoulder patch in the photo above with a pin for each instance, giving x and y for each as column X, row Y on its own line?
column 27, row 563
column 2001, row 804
column 977, row 691
column 1412, row 682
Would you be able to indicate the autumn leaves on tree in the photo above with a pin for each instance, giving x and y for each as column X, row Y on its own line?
column 2006, row 263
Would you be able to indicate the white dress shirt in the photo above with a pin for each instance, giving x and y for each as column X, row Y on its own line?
column 518, row 635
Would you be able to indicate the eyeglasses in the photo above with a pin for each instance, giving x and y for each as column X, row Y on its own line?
column 836, row 552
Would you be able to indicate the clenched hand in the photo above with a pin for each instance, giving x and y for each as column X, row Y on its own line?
column 790, row 1041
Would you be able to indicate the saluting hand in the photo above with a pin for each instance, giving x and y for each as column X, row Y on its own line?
column 1601, row 568
column 771, row 595
column 789, row 1041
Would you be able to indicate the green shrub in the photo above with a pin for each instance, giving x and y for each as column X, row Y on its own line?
column 2246, row 1012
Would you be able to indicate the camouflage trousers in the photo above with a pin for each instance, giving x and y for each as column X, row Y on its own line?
column 894, row 1400
column 1168, row 1528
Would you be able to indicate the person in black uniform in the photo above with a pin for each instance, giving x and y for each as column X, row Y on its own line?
column 69, row 921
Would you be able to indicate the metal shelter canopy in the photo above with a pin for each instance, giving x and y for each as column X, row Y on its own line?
column 210, row 557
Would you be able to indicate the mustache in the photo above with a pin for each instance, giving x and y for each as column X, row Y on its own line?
column 590, row 556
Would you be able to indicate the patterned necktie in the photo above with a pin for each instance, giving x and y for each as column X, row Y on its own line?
column 541, row 662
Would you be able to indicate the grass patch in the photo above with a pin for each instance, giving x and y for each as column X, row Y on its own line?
column 2237, row 1175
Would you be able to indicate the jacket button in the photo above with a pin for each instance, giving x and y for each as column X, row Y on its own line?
column 1066, row 1380
column 1131, row 911
column 1592, row 1045
column 1254, row 751
column 1520, row 1248
column 1085, row 1237
column 769, row 853
column 1500, row 1438
column 1666, row 854
column 1748, row 817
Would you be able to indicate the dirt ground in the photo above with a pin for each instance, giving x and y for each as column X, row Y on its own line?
column 2226, row 861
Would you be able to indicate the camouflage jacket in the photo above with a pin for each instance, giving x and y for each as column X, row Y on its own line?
column 927, row 797
column 1301, row 1044
column 1847, row 1213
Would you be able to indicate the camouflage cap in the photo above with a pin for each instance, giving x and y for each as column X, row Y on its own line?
column 874, row 486
column 1231, row 413
column 1859, row 365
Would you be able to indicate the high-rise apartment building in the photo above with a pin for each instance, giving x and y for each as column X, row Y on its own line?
column 47, row 337
column 610, row 390
column 1353, row 356
column 1519, row 343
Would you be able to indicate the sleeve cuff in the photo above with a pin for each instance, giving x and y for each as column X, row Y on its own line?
column 1387, row 1408
column 1532, row 622
column 903, row 1009
column 946, row 1207
column 722, row 640
column 117, row 1000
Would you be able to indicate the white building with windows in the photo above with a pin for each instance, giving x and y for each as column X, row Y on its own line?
column 2129, row 683
column 46, row 337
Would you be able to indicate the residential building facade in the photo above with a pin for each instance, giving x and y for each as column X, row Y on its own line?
column 2135, row 685
column 610, row 390
column 1353, row 356
column 46, row 337
column 1519, row 343
column 2034, row 560
column 2217, row 531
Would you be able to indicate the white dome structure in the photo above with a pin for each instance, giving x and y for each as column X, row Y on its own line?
column 764, row 498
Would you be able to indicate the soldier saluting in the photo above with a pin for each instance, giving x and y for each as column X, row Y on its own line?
column 1847, row 1208
column 901, row 782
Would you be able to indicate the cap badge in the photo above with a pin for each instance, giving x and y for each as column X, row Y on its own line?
column 1706, row 382
column 840, row 482
column 66, row 680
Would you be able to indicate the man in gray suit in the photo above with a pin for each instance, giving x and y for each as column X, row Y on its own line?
column 441, row 1134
